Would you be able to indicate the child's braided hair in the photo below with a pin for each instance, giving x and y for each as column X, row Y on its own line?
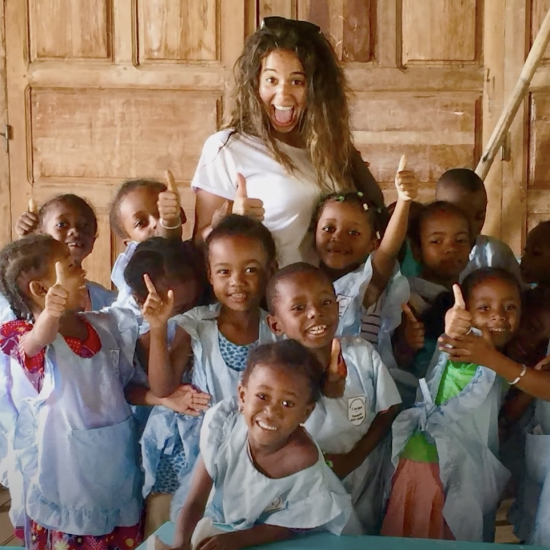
column 20, row 262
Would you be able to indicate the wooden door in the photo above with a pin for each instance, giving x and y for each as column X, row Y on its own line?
column 100, row 91
column 415, row 68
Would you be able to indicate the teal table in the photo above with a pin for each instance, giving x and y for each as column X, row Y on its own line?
column 332, row 542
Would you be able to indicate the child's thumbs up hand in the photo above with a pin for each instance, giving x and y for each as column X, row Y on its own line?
column 406, row 183
column 156, row 311
column 253, row 208
column 458, row 321
column 57, row 295
column 337, row 372
column 169, row 204
column 28, row 221
column 414, row 331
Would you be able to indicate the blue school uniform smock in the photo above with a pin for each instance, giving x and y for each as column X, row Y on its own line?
column 212, row 375
column 464, row 430
column 242, row 497
column 75, row 442
column 117, row 274
column 491, row 252
column 100, row 297
column 530, row 513
column 337, row 424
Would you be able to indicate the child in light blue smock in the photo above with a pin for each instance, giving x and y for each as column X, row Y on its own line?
column 71, row 220
column 142, row 209
column 260, row 477
column 360, row 401
column 440, row 240
column 465, row 189
column 448, row 478
column 364, row 270
column 175, row 265
column 241, row 254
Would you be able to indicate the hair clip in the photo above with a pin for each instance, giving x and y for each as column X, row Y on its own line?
column 378, row 235
column 379, row 210
column 340, row 198
column 365, row 207
column 359, row 194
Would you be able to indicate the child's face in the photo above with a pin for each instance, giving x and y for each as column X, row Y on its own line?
column 283, row 90
column 343, row 236
column 139, row 214
column 495, row 305
column 237, row 269
column 473, row 204
column 305, row 310
column 535, row 262
column 69, row 226
column 445, row 247
column 74, row 278
column 533, row 331
column 274, row 403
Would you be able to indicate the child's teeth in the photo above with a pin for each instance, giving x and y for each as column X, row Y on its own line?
column 266, row 426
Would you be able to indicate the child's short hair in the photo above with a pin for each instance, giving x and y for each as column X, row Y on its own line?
column 378, row 217
column 74, row 201
column 426, row 212
column 272, row 292
column 22, row 261
column 479, row 276
column 125, row 189
column 159, row 257
column 463, row 178
column 235, row 225
column 289, row 355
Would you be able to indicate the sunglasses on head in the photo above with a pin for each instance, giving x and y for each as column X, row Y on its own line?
column 276, row 22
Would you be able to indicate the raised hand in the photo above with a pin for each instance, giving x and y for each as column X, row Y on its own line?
column 336, row 374
column 253, row 208
column 28, row 221
column 406, row 183
column 468, row 348
column 414, row 331
column 187, row 400
column 157, row 311
column 57, row 296
column 458, row 321
column 169, row 204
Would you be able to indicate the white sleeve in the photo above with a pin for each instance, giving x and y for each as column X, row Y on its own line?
column 216, row 172
column 385, row 390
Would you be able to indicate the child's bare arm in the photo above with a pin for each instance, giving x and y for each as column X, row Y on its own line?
column 383, row 260
column 193, row 509
column 344, row 464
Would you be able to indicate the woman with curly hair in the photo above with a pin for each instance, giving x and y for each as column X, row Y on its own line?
column 288, row 141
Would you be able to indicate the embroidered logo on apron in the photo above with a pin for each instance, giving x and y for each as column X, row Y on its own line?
column 343, row 303
column 357, row 409
column 275, row 506
column 115, row 358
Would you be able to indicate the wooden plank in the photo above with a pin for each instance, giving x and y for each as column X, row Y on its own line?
column 389, row 34
column 5, row 206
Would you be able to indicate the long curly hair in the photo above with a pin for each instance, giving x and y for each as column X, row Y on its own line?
column 325, row 123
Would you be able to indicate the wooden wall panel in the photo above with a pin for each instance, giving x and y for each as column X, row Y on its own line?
column 538, row 11
column 539, row 142
column 109, row 134
column 178, row 30
column 349, row 24
column 70, row 30
column 436, row 131
column 441, row 31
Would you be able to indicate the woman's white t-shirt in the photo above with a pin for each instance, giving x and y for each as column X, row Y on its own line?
column 289, row 199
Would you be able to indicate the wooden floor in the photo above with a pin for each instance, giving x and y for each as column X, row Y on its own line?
column 504, row 530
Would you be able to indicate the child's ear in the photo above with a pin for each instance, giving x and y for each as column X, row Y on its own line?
column 127, row 241
column 272, row 269
column 274, row 325
column 37, row 289
column 309, row 409
column 241, row 392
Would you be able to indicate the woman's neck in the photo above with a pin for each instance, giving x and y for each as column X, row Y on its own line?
column 294, row 138
column 239, row 327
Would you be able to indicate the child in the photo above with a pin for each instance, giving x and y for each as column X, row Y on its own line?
column 351, row 425
column 269, row 479
column 448, row 479
column 535, row 262
column 240, row 256
column 440, row 241
column 346, row 239
column 142, row 209
column 71, row 220
column 169, row 264
column 465, row 189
